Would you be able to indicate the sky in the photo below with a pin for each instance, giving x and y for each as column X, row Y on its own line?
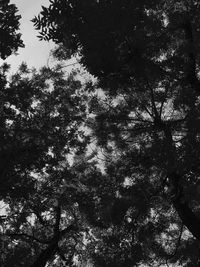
column 35, row 53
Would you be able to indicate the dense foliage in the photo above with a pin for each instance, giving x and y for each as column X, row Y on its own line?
column 145, row 55
column 42, row 116
column 9, row 25
column 105, row 171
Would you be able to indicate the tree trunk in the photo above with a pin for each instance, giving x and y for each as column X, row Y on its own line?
column 46, row 254
column 188, row 217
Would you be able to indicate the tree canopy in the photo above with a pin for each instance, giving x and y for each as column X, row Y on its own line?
column 42, row 115
column 9, row 26
column 103, row 170
column 145, row 55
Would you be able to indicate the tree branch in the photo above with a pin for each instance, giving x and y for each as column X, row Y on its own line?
column 46, row 254
column 154, row 109
column 188, row 217
column 191, row 75
column 58, row 217
column 22, row 235
column 52, row 248
column 38, row 215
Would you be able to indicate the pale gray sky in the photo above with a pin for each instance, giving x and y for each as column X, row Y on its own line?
column 36, row 52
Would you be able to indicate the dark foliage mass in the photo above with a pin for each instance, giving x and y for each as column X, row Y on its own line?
column 9, row 24
column 102, row 169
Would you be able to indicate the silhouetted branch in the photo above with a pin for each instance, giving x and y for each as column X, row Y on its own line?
column 22, row 236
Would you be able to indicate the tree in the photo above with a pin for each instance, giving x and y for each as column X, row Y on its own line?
column 31, row 128
column 145, row 55
column 9, row 25
column 42, row 116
